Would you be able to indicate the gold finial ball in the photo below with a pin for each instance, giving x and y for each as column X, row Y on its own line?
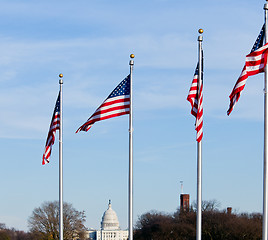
column 200, row 30
column 132, row 55
column 61, row 75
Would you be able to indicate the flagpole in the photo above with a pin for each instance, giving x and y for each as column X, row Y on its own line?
column 130, row 187
column 199, row 152
column 265, row 170
column 60, row 166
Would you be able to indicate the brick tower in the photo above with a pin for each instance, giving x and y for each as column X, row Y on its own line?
column 185, row 202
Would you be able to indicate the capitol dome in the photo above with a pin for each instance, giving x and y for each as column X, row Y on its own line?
column 109, row 219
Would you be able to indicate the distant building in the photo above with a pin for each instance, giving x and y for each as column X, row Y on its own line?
column 110, row 229
column 229, row 210
column 185, row 203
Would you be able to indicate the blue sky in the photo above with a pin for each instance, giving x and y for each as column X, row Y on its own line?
column 90, row 43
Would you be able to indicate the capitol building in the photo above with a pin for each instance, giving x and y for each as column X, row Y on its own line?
column 110, row 229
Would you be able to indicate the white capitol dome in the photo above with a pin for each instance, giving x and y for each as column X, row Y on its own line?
column 110, row 229
column 109, row 219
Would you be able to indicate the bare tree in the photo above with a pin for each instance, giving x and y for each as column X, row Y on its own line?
column 44, row 221
column 2, row 226
column 208, row 205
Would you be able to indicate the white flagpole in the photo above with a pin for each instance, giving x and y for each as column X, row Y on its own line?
column 60, row 167
column 199, row 150
column 265, row 170
column 130, row 186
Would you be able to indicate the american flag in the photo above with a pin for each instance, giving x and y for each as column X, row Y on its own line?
column 195, row 97
column 116, row 104
column 255, row 63
column 54, row 125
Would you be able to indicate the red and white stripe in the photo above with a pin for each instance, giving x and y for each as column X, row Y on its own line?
column 195, row 97
column 255, row 63
column 111, row 107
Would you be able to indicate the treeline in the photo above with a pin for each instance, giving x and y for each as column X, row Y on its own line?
column 180, row 225
column 13, row 234
column 216, row 224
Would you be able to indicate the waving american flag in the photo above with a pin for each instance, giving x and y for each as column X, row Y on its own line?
column 195, row 97
column 54, row 125
column 255, row 63
column 116, row 104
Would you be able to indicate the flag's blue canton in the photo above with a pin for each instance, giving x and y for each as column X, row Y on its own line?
column 202, row 67
column 57, row 106
column 259, row 42
column 197, row 70
column 122, row 89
